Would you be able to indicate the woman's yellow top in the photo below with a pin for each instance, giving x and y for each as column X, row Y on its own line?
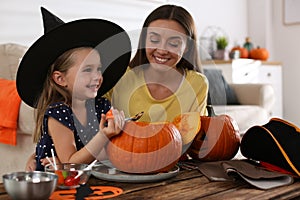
column 131, row 95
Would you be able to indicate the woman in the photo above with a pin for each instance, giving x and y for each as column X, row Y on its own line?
column 164, row 78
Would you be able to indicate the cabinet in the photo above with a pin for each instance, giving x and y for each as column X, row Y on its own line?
column 253, row 71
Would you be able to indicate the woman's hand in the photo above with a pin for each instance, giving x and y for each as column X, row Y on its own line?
column 115, row 123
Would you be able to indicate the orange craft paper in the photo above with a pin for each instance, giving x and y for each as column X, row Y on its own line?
column 9, row 111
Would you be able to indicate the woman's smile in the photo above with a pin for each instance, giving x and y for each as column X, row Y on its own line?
column 165, row 42
column 160, row 60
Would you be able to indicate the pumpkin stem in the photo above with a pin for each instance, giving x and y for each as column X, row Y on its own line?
column 210, row 110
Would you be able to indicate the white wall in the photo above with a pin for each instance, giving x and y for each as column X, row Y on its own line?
column 286, row 41
column 229, row 15
column 22, row 23
column 283, row 41
column 260, row 24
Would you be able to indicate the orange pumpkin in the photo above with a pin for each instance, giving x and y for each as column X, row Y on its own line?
column 188, row 125
column 218, row 138
column 259, row 54
column 243, row 51
column 144, row 147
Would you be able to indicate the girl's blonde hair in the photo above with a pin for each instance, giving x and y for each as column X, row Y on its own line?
column 52, row 92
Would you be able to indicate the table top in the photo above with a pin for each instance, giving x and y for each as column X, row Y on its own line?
column 191, row 184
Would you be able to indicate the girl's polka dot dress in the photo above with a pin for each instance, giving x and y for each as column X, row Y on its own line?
column 82, row 134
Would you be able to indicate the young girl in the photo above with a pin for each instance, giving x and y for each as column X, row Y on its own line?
column 68, row 67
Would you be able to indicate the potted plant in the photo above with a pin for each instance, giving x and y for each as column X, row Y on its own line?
column 222, row 43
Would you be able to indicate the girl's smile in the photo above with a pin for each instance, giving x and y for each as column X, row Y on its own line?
column 84, row 78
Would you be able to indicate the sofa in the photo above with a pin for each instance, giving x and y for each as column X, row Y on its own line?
column 13, row 158
column 255, row 101
column 247, row 104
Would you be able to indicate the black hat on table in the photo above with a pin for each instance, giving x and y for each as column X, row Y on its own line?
column 108, row 38
column 276, row 144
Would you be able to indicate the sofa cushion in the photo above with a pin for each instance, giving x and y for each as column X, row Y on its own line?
column 10, row 55
column 220, row 91
column 26, row 122
column 246, row 116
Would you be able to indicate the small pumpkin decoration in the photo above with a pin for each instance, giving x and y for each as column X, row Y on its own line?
column 218, row 138
column 243, row 51
column 144, row 147
column 259, row 54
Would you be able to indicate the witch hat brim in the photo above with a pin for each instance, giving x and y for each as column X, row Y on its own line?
column 276, row 142
column 109, row 39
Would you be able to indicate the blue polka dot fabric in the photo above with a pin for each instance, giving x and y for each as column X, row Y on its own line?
column 63, row 114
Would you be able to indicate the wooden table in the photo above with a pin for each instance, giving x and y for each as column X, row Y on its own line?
column 191, row 184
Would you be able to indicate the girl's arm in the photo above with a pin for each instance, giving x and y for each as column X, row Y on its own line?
column 65, row 145
column 31, row 163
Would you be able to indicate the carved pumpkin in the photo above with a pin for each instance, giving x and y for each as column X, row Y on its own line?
column 259, row 54
column 144, row 147
column 218, row 138
column 243, row 51
column 188, row 125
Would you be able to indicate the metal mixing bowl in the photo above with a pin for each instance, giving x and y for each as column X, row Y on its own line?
column 30, row 185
